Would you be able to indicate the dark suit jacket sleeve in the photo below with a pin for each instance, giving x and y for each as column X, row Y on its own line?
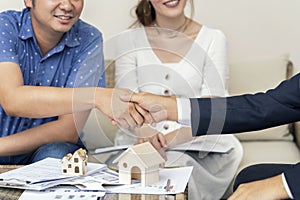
column 247, row 112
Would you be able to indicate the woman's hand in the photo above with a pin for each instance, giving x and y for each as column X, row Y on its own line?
column 157, row 139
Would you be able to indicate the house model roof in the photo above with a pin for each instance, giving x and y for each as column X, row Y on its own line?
column 145, row 152
column 80, row 152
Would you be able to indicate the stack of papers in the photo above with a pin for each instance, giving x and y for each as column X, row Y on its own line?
column 40, row 175
column 45, row 178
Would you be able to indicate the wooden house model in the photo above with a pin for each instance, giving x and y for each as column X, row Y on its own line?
column 75, row 164
column 140, row 161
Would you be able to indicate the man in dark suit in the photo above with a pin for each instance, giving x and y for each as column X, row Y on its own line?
column 239, row 114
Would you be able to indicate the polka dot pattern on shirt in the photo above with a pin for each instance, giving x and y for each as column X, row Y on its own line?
column 67, row 65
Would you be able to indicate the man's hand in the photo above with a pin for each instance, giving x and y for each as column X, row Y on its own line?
column 271, row 188
column 160, row 107
column 125, row 114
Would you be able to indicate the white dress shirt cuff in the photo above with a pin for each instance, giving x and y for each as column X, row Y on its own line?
column 184, row 111
column 286, row 186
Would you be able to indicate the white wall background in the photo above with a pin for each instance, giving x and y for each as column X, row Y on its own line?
column 254, row 28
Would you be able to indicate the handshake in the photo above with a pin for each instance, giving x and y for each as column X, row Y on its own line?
column 130, row 110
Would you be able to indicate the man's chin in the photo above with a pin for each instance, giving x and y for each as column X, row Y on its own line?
column 63, row 29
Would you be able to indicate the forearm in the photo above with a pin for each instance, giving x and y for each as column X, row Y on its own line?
column 171, row 107
column 61, row 130
column 179, row 136
column 277, row 183
column 40, row 102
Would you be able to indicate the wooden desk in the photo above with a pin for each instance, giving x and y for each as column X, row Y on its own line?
column 14, row 194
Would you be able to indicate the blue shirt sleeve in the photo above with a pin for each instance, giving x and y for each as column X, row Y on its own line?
column 8, row 39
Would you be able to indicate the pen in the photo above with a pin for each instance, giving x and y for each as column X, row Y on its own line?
column 167, row 187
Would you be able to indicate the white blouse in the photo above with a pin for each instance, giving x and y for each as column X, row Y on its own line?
column 203, row 71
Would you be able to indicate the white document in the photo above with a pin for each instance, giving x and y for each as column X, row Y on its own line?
column 40, row 175
column 61, row 193
column 178, row 179
column 96, row 180
column 206, row 143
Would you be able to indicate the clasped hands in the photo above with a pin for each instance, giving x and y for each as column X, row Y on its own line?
column 130, row 110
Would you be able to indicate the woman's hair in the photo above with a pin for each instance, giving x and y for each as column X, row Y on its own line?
column 146, row 14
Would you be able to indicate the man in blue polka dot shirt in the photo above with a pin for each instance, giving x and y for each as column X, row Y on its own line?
column 45, row 52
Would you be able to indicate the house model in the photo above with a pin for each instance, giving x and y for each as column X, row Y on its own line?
column 75, row 164
column 139, row 161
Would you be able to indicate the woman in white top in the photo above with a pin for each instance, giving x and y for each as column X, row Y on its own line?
column 168, row 53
